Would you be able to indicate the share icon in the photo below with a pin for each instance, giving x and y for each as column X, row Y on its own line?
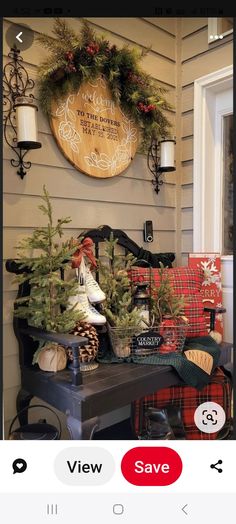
column 213, row 466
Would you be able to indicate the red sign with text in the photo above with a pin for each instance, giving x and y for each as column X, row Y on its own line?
column 211, row 286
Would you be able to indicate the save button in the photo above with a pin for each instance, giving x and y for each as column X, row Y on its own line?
column 151, row 466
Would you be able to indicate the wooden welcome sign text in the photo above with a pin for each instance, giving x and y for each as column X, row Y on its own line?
column 92, row 132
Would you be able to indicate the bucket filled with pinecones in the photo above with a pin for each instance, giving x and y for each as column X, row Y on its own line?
column 88, row 352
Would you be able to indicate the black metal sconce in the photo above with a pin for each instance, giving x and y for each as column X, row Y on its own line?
column 160, row 159
column 19, row 111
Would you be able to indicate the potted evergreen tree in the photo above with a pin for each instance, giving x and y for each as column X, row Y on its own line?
column 124, row 320
column 45, row 259
column 167, row 311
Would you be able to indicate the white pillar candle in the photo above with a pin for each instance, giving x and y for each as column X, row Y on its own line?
column 167, row 154
column 27, row 135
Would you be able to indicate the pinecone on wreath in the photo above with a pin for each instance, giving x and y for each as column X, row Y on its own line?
column 87, row 353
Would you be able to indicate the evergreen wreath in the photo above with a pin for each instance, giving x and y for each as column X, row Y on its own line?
column 77, row 58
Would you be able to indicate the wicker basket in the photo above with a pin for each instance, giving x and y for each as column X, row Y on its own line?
column 166, row 337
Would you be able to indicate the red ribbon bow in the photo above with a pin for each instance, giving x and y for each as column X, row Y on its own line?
column 84, row 250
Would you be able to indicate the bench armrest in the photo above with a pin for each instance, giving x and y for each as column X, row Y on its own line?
column 72, row 341
column 215, row 309
column 16, row 266
column 213, row 312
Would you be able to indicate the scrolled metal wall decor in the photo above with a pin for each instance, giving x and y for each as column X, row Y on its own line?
column 160, row 159
column 16, row 84
column 153, row 161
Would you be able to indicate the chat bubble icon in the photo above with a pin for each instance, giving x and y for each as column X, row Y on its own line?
column 19, row 466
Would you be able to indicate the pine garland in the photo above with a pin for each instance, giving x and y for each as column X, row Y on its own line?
column 75, row 59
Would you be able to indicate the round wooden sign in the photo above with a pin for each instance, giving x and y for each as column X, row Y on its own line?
column 92, row 132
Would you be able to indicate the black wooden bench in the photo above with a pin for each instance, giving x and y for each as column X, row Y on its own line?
column 85, row 397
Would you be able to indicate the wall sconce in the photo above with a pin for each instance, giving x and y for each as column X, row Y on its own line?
column 19, row 113
column 160, row 159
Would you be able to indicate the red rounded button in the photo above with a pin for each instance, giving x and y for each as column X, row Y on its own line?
column 151, row 466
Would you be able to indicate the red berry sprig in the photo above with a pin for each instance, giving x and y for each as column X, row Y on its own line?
column 70, row 67
column 69, row 56
column 136, row 79
column 92, row 48
column 145, row 108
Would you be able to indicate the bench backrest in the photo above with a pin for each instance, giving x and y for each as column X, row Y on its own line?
column 27, row 346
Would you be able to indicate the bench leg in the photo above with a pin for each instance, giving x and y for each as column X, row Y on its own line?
column 84, row 430
column 22, row 402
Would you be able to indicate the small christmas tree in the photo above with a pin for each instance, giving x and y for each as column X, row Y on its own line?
column 116, row 285
column 123, row 318
column 164, row 301
column 46, row 306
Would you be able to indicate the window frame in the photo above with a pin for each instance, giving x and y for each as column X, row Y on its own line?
column 208, row 162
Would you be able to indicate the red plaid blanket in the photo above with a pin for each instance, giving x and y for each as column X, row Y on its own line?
column 187, row 398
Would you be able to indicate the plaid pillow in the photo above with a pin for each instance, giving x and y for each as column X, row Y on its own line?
column 185, row 281
column 187, row 398
column 193, row 310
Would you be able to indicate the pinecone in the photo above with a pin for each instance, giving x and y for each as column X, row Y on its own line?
column 88, row 352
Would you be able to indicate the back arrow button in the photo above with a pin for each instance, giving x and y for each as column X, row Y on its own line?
column 18, row 37
column 184, row 508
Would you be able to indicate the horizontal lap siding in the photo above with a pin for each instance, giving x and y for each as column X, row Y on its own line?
column 166, row 24
column 187, row 98
column 187, row 172
column 190, row 25
column 124, row 202
column 161, row 42
column 86, row 214
column 198, row 59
